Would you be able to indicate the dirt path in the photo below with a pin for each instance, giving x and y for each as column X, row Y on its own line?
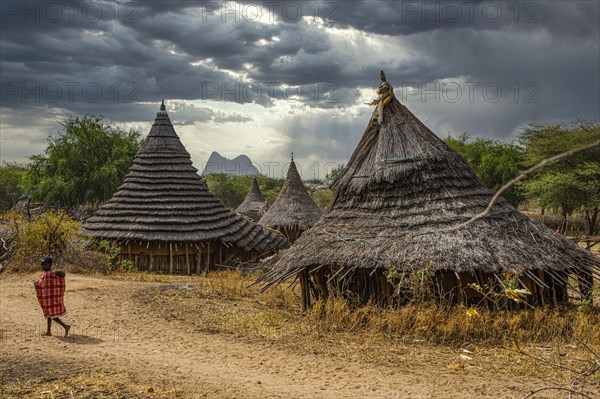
column 111, row 333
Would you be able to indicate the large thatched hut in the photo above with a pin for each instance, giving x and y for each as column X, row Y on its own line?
column 164, row 218
column 294, row 211
column 254, row 205
column 395, row 215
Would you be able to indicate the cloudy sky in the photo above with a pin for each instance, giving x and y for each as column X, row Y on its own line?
column 270, row 77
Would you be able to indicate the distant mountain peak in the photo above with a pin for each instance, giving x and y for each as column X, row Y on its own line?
column 238, row 166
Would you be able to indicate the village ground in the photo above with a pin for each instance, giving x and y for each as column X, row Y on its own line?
column 144, row 336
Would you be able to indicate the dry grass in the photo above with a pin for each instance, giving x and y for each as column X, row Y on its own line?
column 87, row 385
column 221, row 303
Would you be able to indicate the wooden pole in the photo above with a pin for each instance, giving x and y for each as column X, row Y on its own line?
column 321, row 283
column 308, row 285
column 385, row 288
column 541, row 288
column 482, row 285
column 220, row 252
column 553, row 289
column 199, row 262
column 187, row 259
column 303, row 289
column 209, row 257
column 170, row 259
column 462, row 295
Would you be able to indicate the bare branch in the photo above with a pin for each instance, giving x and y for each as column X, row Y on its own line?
column 530, row 394
column 541, row 359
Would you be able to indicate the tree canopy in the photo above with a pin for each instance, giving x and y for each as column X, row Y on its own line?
column 333, row 174
column 494, row 162
column 572, row 184
column 84, row 164
column 233, row 189
column 10, row 178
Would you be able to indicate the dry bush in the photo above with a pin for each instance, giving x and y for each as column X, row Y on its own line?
column 52, row 233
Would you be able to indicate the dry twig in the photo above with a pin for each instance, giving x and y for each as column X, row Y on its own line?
column 571, row 391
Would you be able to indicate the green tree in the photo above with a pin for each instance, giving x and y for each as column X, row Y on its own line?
column 11, row 174
column 233, row 189
column 333, row 174
column 83, row 165
column 572, row 184
column 322, row 197
column 494, row 162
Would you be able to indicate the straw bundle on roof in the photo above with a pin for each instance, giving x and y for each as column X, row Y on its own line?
column 294, row 210
column 254, row 203
column 164, row 203
column 394, row 208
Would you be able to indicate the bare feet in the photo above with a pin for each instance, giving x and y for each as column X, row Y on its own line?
column 67, row 328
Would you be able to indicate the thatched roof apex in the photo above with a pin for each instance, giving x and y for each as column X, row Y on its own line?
column 163, row 199
column 399, row 196
column 253, row 203
column 294, row 208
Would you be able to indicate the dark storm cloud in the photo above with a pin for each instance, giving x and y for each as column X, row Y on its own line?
column 120, row 59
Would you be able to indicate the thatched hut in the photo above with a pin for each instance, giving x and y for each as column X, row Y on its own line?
column 294, row 210
column 164, row 218
column 254, row 205
column 394, row 216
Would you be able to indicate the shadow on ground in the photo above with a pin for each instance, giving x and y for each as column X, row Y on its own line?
column 81, row 339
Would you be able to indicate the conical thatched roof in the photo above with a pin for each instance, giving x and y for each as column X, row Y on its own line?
column 397, row 205
column 294, row 208
column 253, row 203
column 163, row 199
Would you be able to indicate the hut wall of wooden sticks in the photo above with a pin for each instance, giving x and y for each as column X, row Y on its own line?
column 185, row 258
column 363, row 286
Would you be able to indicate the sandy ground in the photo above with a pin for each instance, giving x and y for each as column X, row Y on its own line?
column 111, row 333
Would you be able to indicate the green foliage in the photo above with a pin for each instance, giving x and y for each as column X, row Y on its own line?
column 494, row 162
column 83, row 165
column 572, row 184
column 411, row 286
column 333, row 174
column 322, row 197
column 587, row 304
column 10, row 191
column 112, row 255
column 233, row 189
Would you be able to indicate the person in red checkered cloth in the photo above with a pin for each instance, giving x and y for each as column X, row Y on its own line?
column 50, row 290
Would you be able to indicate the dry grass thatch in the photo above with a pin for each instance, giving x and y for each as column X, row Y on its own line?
column 294, row 208
column 393, row 209
column 163, row 199
column 254, row 203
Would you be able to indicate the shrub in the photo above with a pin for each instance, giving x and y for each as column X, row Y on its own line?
column 53, row 233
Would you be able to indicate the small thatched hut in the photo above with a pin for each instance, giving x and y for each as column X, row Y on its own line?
column 394, row 216
column 294, row 211
column 165, row 219
column 253, row 206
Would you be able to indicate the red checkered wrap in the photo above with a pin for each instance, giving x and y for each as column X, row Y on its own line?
column 50, row 290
